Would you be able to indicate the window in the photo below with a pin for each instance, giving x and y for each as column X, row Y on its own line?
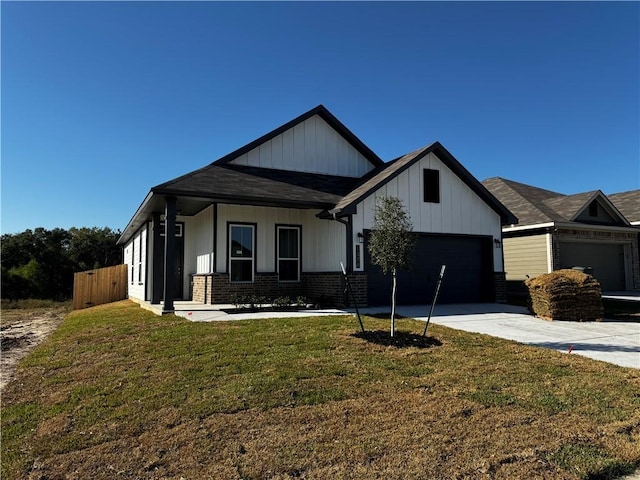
column 431, row 185
column 140, row 259
column 288, row 253
column 241, row 253
column 133, row 259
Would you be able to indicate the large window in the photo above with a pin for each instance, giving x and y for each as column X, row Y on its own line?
column 288, row 253
column 241, row 252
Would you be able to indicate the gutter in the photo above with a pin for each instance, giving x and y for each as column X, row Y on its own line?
column 571, row 225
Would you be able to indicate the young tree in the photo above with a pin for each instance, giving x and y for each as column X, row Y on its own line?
column 391, row 242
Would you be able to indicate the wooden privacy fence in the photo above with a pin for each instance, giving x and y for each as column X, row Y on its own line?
column 95, row 287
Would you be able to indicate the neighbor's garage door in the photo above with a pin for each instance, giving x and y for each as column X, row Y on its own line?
column 606, row 259
column 468, row 277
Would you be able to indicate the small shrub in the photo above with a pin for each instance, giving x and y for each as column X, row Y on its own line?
column 281, row 302
column 301, row 302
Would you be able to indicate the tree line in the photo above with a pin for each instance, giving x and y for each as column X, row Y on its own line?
column 40, row 263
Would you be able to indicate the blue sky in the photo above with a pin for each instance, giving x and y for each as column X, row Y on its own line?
column 103, row 100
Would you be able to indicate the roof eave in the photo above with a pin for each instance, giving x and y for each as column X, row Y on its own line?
column 130, row 229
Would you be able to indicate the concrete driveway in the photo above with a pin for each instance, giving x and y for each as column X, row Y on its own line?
column 609, row 341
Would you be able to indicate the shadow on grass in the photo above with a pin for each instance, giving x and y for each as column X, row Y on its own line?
column 400, row 340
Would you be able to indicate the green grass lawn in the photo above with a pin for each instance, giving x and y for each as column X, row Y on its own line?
column 117, row 392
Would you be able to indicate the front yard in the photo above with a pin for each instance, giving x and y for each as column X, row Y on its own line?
column 117, row 392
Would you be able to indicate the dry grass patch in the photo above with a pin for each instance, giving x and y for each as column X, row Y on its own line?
column 116, row 392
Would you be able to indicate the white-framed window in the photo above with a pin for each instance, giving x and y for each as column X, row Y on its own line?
column 241, row 252
column 140, row 279
column 133, row 259
column 288, row 253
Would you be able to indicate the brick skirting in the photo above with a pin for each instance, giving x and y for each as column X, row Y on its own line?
column 325, row 288
column 500, row 285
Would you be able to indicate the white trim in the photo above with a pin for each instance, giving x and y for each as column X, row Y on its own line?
column 549, row 253
column 571, row 225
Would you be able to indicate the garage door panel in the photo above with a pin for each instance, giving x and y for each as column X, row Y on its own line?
column 606, row 259
column 468, row 277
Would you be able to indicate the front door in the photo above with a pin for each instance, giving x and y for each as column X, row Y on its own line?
column 178, row 269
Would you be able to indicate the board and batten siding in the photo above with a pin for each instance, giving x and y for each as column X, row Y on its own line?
column 526, row 256
column 198, row 242
column 311, row 146
column 323, row 241
column 135, row 257
column 460, row 210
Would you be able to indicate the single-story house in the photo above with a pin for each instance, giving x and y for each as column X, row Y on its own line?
column 278, row 216
column 559, row 231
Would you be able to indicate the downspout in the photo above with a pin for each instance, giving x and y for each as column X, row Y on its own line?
column 349, row 224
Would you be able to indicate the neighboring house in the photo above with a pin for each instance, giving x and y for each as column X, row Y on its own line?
column 564, row 231
column 278, row 216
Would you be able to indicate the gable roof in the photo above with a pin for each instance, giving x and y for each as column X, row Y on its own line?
column 629, row 204
column 534, row 206
column 328, row 117
column 224, row 181
column 386, row 173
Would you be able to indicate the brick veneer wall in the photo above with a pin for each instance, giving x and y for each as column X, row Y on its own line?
column 327, row 288
column 500, row 283
column 568, row 235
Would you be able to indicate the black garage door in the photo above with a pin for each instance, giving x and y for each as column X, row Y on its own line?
column 468, row 277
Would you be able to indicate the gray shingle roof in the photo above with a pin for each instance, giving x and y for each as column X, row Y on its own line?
column 526, row 202
column 628, row 203
column 534, row 205
column 263, row 185
column 569, row 206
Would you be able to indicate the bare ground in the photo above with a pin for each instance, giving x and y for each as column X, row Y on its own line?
column 20, row 332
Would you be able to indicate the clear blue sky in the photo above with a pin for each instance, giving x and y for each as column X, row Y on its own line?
column 103, row 100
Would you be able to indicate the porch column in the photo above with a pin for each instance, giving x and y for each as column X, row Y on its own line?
column 169, row 254
column 157, row 261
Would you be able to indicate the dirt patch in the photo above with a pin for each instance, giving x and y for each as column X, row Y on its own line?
column 21, row 331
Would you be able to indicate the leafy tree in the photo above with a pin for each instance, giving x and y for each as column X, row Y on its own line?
column 391, row 242
column 40, row 263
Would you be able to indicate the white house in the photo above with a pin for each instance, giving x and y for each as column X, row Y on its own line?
column 278, row 216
